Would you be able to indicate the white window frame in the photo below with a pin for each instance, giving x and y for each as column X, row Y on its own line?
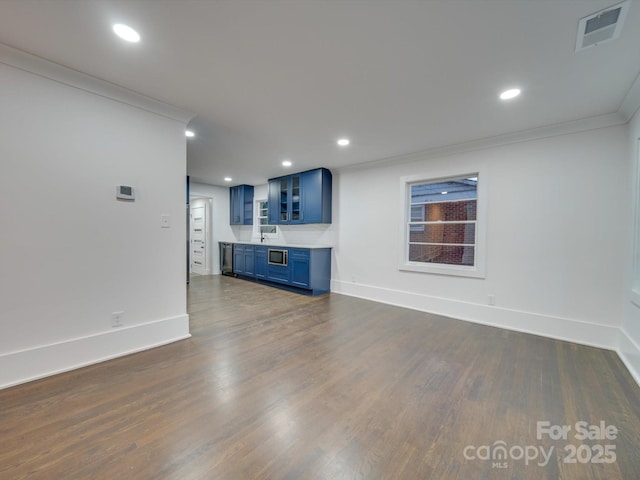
column 635, row 279
column 256, row 221
column 478, row 270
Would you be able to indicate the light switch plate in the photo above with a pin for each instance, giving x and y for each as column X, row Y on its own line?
column 165, row 221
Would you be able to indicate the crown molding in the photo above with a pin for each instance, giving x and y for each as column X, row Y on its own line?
column 73, row 78
column 631, row 101
column 566, row 128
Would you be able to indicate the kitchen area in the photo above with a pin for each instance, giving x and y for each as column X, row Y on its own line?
column 279, row 233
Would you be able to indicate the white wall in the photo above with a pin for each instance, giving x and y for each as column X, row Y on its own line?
column 71, row 254
column 312, row 234
column 557, row 213
column 629, row 347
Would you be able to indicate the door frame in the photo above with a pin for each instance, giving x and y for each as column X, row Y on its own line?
column 208, row 234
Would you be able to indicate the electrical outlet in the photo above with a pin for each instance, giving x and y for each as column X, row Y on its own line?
column 491, row 300
column 117, row 319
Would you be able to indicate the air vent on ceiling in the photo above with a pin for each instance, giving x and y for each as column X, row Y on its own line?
column 602, row 26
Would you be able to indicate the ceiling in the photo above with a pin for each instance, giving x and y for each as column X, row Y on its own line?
column 274, row 80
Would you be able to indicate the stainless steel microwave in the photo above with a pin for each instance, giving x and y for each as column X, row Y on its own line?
column 278, row 256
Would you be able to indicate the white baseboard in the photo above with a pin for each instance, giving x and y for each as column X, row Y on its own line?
column 39, row 362
column 595, row 335
column 629, row 353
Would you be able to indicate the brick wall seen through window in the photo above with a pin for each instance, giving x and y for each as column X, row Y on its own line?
column 442, row 222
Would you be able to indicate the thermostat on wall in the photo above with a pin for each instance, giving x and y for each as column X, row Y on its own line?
column 124, row 192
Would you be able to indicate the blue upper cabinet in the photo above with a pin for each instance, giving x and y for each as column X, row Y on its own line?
column 241, row 205
column 285, row 198
column 316, row 197
column 300, row 198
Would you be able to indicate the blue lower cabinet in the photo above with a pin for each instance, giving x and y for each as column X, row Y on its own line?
column 243, row 262
column 320, row 270
column 299, row 265
column 308, row 270
column 249, row 267
column 278, row 273
column 260, row 261
column 238, row 258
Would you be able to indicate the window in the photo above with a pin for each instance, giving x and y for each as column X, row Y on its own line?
column 442, row 232
column 635, row 285
column 262, row 221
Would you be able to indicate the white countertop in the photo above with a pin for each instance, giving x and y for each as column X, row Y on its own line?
column 281, row 245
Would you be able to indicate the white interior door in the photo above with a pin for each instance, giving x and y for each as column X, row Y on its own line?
column 198, row 235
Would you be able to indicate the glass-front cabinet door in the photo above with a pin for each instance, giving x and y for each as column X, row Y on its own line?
column 290, row 199
column 296, row 201
column 300, row 198
column 284, row 200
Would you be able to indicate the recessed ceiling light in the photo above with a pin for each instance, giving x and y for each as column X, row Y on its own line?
column 189, row 133
column 509, row 94
column 286, row 163
column 126, row 33
column 343, row 142
column 227, row 179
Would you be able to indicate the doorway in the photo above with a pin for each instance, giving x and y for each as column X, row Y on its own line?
column 199, row 236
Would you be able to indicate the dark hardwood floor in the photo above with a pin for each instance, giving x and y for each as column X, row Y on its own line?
column 275, row 385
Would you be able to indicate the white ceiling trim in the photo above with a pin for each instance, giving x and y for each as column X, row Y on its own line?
column 567, row 128
column 73, row 78
column 631, row 101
